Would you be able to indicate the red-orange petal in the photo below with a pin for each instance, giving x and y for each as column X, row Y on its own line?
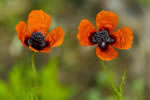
column 86, row 28
column 39, row 21
column 107, row 55
column 22, row 31
column 55, row 37
column 106, row 19
column 44, row 50
column 124, row 38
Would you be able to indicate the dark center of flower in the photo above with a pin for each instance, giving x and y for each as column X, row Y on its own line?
column 102, row 38
column 37, row 40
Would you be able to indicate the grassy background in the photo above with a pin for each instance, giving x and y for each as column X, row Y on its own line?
column 73, row 72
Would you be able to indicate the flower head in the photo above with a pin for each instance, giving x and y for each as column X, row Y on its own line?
column 104, row 37
column 35, row 34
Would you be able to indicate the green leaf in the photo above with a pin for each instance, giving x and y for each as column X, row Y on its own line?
column 20, row 82
column 50, row 87
column 4, row 93
column 94, row 94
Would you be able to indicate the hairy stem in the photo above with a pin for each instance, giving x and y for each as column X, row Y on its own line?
column 109, row 78
column 34, row 78
column 117, row 91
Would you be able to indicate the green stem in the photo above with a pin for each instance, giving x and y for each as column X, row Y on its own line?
column 117, row 91
column 120, row 97
column 121, row 85
column 35, row 78
column 109, row 79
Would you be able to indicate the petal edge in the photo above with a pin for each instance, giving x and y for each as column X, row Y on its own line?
column 107, row 55
column 106, row 19
column 124, row 38
column 22, row 32
column 38, row 20
column 45, row 50
column 55, row 37
column 86, row 28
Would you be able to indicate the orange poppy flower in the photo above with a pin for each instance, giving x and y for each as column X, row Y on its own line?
column 35, row 34
column 105, row 38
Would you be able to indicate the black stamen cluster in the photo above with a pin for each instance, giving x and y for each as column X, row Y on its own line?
column 102, row 38
column 37, row 40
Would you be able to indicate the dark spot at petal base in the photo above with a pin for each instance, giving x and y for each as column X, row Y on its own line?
column 103, row 46
column 102, row 38
column 37, row 41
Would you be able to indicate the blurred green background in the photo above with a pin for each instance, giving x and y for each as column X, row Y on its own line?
column 71, row 71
